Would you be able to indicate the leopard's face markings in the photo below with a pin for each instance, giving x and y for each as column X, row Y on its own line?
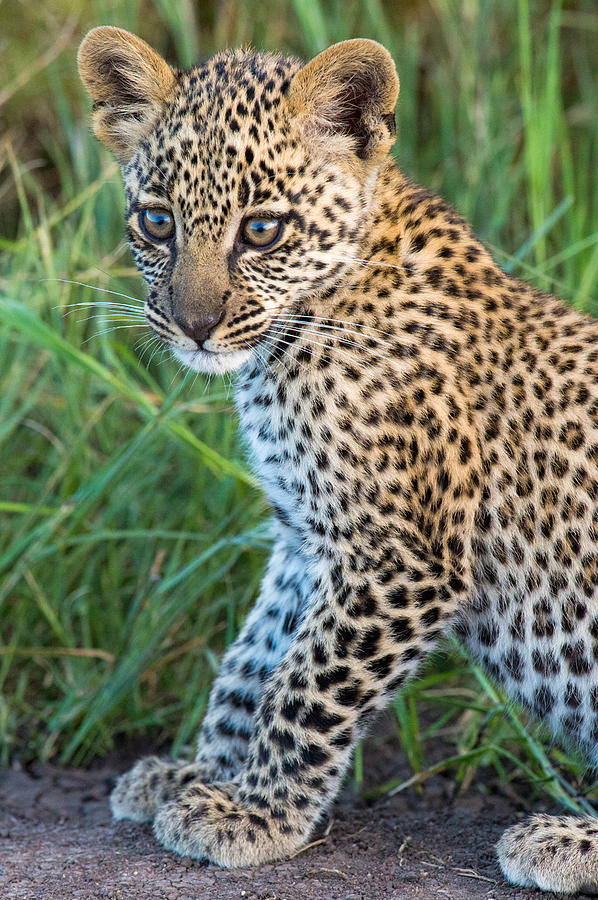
column 224, row 152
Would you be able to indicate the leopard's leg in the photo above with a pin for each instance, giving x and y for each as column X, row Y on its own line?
column 224, row 737
column 358, row 643
column 152, row 781
column 553, row 853
column 263, row 641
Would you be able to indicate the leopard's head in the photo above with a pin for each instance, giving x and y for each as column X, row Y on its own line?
column 248, row 180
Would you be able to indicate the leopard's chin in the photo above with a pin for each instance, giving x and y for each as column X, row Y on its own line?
column 210, row 362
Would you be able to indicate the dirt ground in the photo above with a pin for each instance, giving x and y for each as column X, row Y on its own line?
column 57, row 840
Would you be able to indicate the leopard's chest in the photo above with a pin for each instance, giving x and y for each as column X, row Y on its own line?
column 287, row 445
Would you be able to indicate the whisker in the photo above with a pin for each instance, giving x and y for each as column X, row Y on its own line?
column 116, row 254
column 144, row 340
column 114, row 317
column 108, row 330
column 301, row 329
column 258, row 352
column 352, row 360
column 195, row 379
column 334, row 338
column 344, row 322
column 275, row 347
column 178, row 371
column 153, row 353
column 108, row 304
column 231, row 385
column 378, row 341
column 367, row 262
column 143, row 347
column 272, row 347
column 93, row 287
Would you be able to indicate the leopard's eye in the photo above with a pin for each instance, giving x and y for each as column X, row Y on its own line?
column 157, row 223
column 261, row 231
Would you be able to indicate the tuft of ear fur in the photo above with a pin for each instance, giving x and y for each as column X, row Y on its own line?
column 345, row 99
column 128, row 83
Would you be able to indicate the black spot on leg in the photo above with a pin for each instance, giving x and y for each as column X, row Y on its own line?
column 325, row 680
column 314, row 755
column 402, row 629
column 318, row 718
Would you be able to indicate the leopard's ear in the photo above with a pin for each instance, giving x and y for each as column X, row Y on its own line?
column 128, row 83
column 345, row 99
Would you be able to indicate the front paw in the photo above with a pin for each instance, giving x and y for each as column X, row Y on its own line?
column 208, row 823
column 149, row 784
column 553, row 853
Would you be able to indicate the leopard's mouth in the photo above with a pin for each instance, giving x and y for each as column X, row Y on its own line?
column 212, row 362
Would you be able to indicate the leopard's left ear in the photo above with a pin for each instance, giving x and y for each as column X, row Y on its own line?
column 128, row 82
column 345, row 99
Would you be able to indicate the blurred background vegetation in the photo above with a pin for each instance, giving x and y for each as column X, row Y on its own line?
column 132, row 536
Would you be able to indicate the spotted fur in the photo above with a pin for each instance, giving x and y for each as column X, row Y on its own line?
column 424, row 425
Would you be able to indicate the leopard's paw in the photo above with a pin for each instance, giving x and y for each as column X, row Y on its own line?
column 208, row 823
column 553, row 853
column 149, row 784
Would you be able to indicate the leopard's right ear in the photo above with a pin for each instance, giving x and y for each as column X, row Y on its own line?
column 344, row 100
column 128, row 83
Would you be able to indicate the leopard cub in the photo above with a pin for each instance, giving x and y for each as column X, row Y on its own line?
column 424, row 425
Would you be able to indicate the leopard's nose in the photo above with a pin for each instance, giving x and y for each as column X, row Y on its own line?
column 199, row 327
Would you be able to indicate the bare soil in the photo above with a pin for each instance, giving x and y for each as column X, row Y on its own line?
column 57, row 840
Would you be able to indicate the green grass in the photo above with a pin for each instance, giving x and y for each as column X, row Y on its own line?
column 132, row 536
